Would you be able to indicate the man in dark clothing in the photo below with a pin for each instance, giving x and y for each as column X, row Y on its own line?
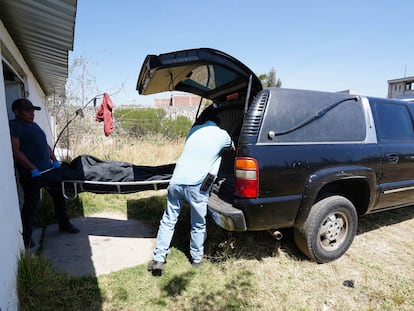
column 33, row 156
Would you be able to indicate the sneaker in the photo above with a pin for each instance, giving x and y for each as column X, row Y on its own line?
column 69, row 228
column 155, row 266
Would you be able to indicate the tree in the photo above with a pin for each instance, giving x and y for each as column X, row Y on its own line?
column 269, row 79
column 82, row 96
column 79, row 85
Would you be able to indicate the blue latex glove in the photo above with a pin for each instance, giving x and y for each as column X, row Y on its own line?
column 35, row 173
column 56, row 164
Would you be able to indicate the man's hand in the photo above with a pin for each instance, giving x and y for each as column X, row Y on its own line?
column 35, row 172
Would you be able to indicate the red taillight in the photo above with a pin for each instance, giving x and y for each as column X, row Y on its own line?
column 247, row 178
column 232, row 96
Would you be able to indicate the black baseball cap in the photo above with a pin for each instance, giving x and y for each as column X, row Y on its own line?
column 23, row 104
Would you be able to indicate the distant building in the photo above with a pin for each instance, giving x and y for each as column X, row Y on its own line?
column 402, row 88
column 178, row 100
column 179, row 105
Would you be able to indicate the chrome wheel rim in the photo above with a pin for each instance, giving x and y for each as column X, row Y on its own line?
column 333, row 231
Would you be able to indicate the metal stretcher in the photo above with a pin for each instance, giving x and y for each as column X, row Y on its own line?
column 89, row 174
column 71, row 188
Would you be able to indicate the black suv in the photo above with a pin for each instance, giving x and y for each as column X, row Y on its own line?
column 310, row 160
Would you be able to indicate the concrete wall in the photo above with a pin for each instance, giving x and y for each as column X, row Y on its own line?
column 401, row 88
column 10, row 226
column 11, row 243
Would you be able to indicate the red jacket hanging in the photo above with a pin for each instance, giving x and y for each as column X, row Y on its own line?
column 104, row 114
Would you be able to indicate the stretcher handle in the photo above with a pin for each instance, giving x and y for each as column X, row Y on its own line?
column 75, row 190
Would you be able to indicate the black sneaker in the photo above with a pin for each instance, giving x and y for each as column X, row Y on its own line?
column 69, row 228
column 155, row 267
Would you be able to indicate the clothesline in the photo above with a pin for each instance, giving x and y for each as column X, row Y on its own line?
column 103, row 114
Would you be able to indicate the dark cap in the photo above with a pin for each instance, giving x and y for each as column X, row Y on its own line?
column 23, row 104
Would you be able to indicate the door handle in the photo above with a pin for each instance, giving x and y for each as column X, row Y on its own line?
column 392, row 157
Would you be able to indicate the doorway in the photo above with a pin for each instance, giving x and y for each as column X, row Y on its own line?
column 14, row 87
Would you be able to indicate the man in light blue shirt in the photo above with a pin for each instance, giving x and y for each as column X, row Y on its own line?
column 201, row 157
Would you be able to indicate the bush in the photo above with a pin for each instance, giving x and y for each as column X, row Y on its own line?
column 141, row 122
column 176, row 128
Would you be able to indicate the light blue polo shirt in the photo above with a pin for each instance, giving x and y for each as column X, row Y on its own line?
column 201, row 154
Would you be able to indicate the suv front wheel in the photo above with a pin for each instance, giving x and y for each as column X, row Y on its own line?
column 328, row 230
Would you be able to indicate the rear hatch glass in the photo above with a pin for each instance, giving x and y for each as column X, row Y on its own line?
column 208, row 73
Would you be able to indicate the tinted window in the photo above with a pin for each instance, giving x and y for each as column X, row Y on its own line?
column 394, row 122
column 410, row 106
column 209, row 77
column 289, row 109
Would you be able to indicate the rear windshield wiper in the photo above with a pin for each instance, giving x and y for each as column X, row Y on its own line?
column 316, row 116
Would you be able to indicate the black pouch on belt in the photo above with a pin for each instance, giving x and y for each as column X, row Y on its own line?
column 207, row 182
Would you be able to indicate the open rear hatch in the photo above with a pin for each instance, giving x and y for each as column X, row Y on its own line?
column 206, row 72
column 215, row 76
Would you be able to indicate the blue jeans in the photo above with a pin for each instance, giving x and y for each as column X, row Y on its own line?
column 198, row 202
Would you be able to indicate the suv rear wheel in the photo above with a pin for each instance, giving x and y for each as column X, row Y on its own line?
column 328, row 230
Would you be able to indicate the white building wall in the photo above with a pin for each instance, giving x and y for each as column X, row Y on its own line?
column 11, row 243
column 10, row 225
column 396, row 90
column 38, row 99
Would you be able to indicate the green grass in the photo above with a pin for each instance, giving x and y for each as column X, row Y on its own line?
column 180, row 288
column 241, row 271
column 42, row 288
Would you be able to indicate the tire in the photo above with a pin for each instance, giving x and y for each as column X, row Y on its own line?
column 329, row 229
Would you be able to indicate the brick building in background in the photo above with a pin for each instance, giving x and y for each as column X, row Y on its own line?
column 179, row 105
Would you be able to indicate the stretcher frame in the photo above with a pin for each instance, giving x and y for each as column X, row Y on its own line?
column 115, row 187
